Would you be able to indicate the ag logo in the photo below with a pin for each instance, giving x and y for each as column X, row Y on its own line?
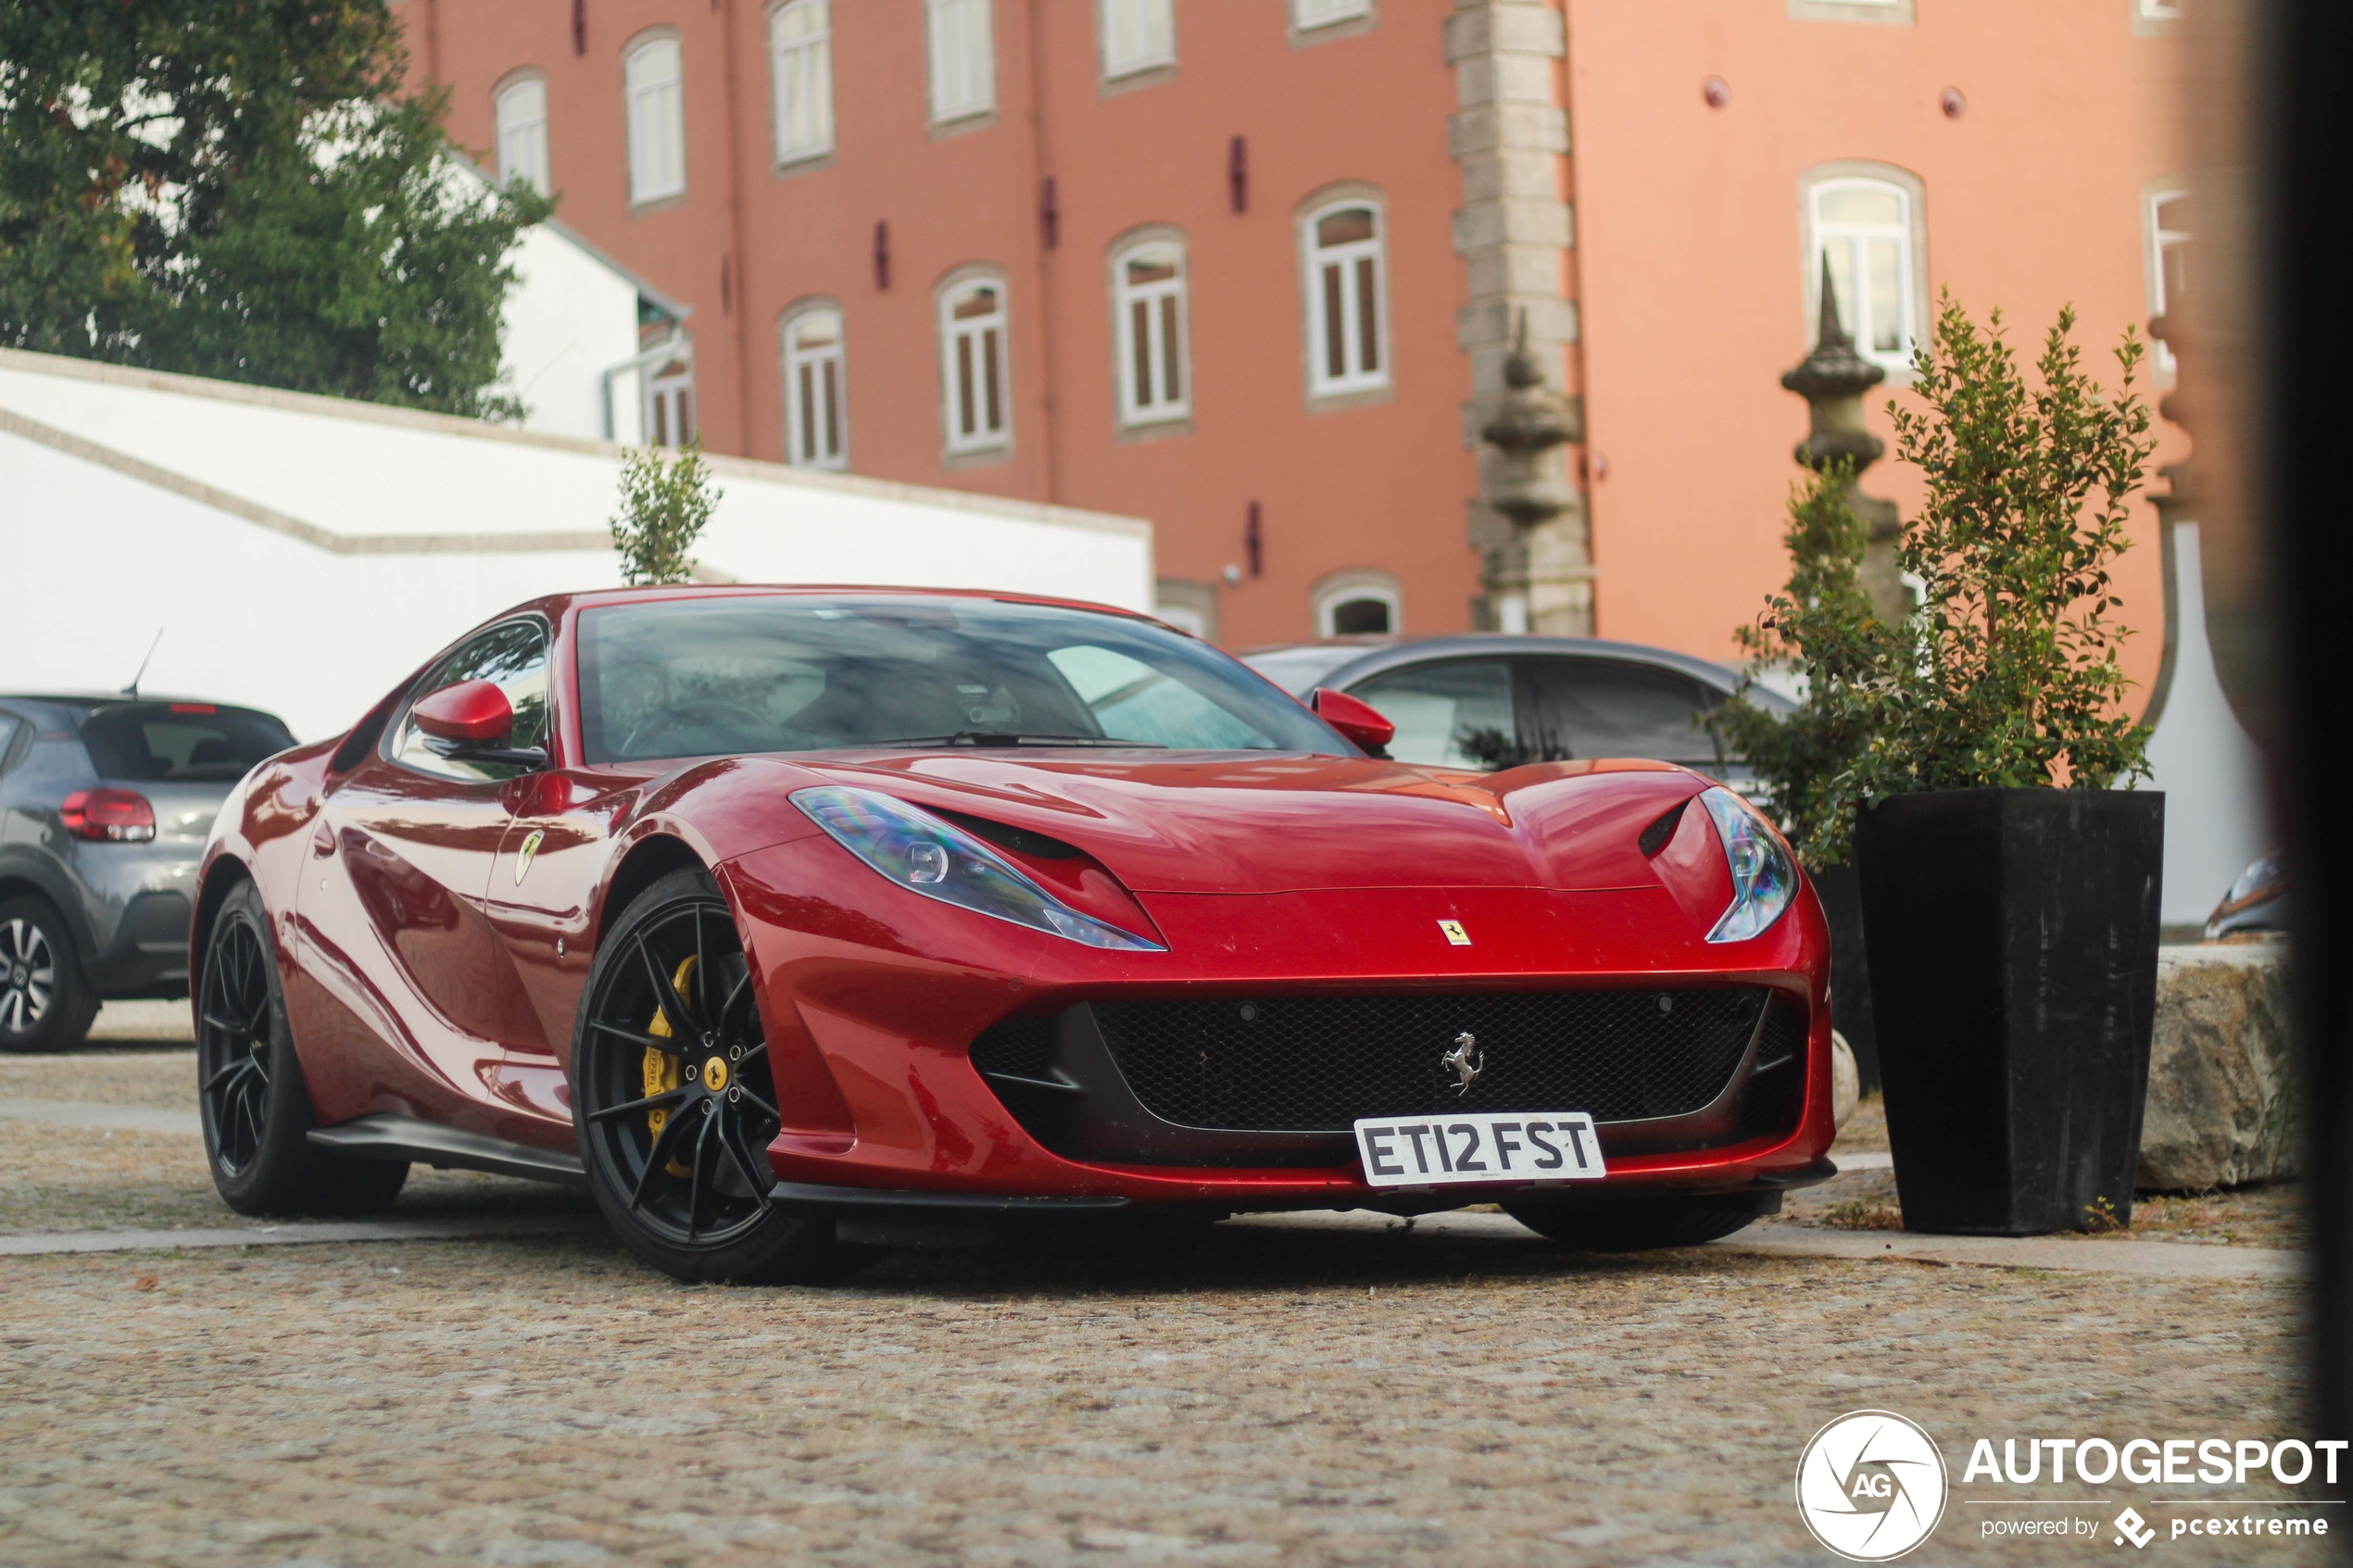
column 1870, row 1485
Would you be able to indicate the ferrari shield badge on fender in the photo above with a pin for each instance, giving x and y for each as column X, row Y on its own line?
column 1455, row 935
column 523, row 856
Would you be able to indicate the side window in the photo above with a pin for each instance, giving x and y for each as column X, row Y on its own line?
column 10, row 727
column 1605, row 708
column 1457, row 714
column 515, row 656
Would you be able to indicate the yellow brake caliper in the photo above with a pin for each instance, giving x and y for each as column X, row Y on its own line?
column 662, row 1069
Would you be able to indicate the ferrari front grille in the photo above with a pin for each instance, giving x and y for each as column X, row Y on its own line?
column 1317, row 1063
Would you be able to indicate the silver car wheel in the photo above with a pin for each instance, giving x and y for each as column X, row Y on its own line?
column 28, row 975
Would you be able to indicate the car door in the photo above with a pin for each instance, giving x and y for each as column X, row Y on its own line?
column 1451, row 712
column 393, row 906
column 1585, row 707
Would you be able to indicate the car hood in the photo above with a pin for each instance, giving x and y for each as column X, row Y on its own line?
column 1294, row 824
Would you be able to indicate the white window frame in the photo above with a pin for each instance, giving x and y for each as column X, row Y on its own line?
column 522, row 130
column 1306, row 15
column 2157, row 10
column 1346, row 587
column 960, row 45
column 970, row 349
column 1316, row 258
column 666, row 407
column 810, row 395
column 656, row 108
column 1859, row 314
column 1166, row 334
column 1138, row 35
column 802, row 65
column 2158, row 242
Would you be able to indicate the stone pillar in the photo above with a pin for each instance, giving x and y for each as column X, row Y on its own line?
column 1832, row 380
column 1513, row 231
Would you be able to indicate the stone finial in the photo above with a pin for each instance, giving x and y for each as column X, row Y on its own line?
column 1527, row 429
column 1832, row 380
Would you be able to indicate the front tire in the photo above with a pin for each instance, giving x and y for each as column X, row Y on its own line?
column 256, row 1109
column 1642, row 1226
column 45, row 1004
column 673, row 1101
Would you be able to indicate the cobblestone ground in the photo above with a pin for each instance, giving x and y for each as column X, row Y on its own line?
column 1227, row 1394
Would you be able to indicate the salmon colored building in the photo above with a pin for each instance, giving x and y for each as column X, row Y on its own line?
column 1250, row 268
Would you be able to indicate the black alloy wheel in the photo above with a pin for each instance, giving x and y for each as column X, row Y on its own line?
column 44, row 1004
column 675, row 1101
column 251, row 1094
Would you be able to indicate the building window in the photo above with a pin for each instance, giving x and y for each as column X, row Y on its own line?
column 1138, row 35
column 656, row 121
column 668, row 417
column 816, row 410
column 2157, row 10
column 1305, row 14
column 1864, row 228
column 2165, row 219
column 972, row 342
column 521, row 112
column 1900, row 13
column 963, row 59
column 801, row 62
column 1358, row 604
column 1346, row 307
column 1148, row 298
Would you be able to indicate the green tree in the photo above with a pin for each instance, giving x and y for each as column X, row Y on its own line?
column 663, row 508
column 2010, row 673
column 1821, row 628
column 235, row 188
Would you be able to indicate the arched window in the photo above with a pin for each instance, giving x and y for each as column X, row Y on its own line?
column 816, row 389
column 971, row 346
column 1138, row 35
column 521, row 112
column 2164, row 208
column 657, row 106
column 964, row 58
column 1148, row 300
column 1347, row 308
column 801, row 67
column 1867, row 228
column 1358, row 604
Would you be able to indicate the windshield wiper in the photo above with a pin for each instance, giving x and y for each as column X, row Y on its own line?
column 1014, row 737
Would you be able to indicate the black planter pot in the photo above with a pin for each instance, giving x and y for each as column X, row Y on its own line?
column 2013, row 960
column 1841, row 891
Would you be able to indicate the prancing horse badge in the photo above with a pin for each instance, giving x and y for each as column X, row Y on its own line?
column 523, row 856
column 1455, row 935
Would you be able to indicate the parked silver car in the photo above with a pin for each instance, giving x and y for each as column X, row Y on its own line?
column 105, row 805
column 1491, row 700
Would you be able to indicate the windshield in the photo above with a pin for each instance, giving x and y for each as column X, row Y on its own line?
column 718, row 676
column 173, row 742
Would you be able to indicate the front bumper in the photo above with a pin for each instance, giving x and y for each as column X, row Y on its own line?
column 873, row 1001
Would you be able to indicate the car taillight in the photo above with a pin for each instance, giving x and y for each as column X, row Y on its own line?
column 108, row 816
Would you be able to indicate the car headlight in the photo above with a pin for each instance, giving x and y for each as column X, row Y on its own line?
column 940, row 860
column 1764, row 877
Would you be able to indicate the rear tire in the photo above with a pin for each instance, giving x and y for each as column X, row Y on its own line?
column 1640, row 1226
column 256, row 1109
column 45, row 1003
column 680, row 1170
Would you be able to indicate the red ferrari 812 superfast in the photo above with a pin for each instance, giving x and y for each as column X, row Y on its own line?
column 789, row 920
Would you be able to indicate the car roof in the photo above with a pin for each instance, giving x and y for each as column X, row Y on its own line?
column 591, row 597
column 1365, row 662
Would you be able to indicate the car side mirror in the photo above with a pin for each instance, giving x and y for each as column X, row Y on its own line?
column 1359, row 721
column 469, row 723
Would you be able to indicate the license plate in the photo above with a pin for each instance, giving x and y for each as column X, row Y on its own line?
column 1478, row 1146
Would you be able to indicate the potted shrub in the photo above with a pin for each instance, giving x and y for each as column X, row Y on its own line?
column 1822, row 629
column 2009, row 893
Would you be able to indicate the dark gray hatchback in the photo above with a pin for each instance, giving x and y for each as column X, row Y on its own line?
column 104, row 807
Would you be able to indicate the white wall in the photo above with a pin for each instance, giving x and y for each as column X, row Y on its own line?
column 569, row 318
column 96, row 559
